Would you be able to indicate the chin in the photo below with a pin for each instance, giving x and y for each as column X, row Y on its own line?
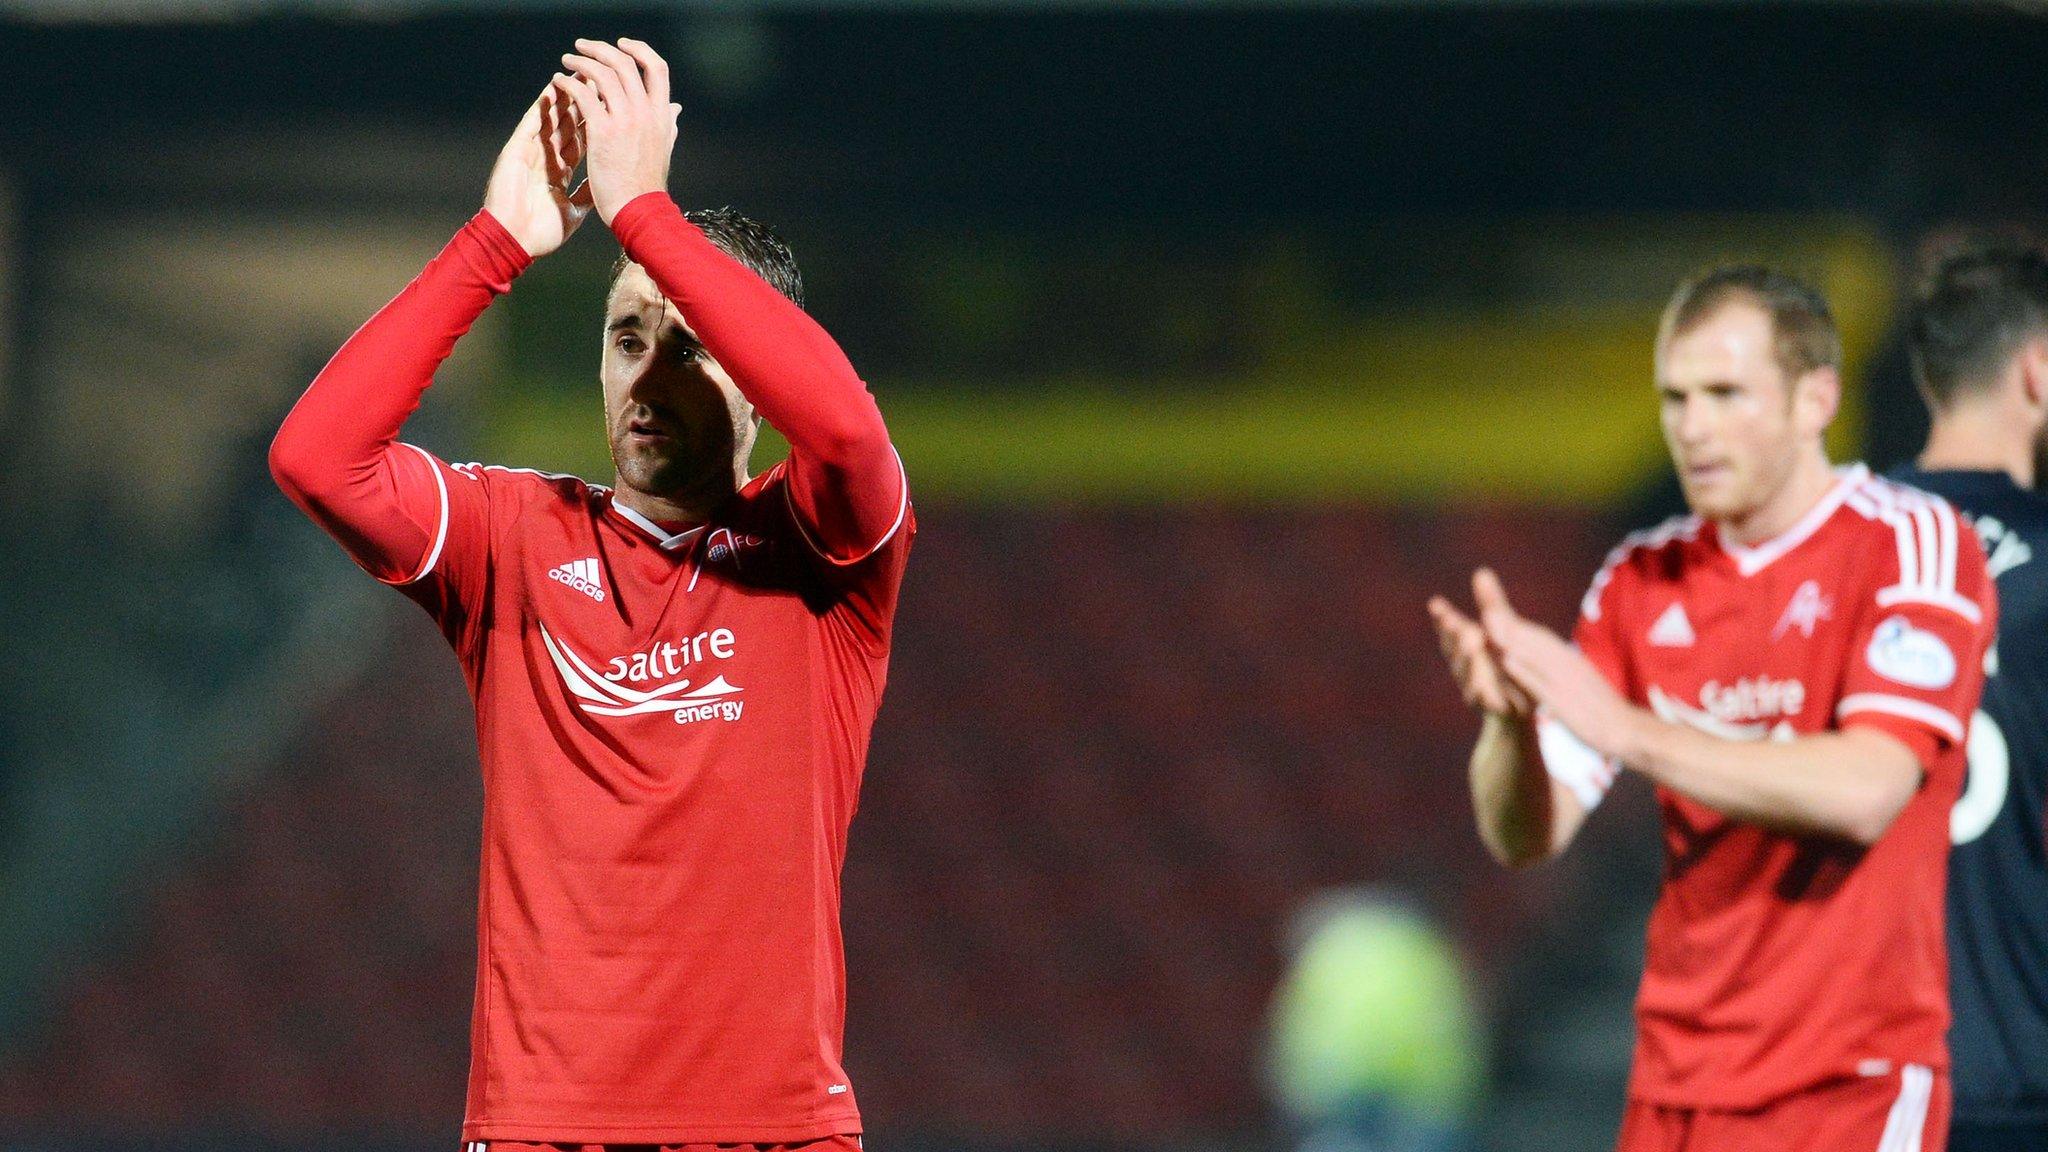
column 1712, row 504
column 665, row 476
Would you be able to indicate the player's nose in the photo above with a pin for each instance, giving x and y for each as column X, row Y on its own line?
column 1694, row 425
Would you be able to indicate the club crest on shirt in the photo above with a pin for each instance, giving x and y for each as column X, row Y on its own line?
column 611, row 693
column 1807, row 608
column 1911, row 656
column 723, row 544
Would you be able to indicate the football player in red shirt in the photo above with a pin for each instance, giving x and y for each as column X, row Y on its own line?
column 1794, row 667
column 674, row 676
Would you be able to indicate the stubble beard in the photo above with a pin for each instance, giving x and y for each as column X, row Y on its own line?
column 693, row 474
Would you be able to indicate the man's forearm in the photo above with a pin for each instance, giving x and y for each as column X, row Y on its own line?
column 1849, row 784
column 786, row 365
column 845, row 480
column 332, row 451
column 1513, row 798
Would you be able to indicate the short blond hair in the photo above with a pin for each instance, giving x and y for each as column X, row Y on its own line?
column 1803, row 333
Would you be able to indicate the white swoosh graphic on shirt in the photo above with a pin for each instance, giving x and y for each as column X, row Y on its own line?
column 1673, row 711
column 605, row 698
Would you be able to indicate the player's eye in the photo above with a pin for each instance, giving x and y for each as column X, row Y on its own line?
column 630, row 344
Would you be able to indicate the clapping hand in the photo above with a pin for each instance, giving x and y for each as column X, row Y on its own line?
column 1522, row 664
column 529, row 190
column 620, row 92
column 1475, row 660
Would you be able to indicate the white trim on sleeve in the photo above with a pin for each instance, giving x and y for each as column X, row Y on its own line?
column 902, row 510
column 1573, row 763
column 1906, row 1124
column 440, row 529
column 1910, row 594
column 1934, row 717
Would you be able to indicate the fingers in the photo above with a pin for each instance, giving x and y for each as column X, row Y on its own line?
column 653, row 67
column 1469, row 657
column 557, row 137
column 630, row 86
column 583, row 97
column 603, row 78
column 526, row 136
column 1454, row 630
column 1525, row 673
column 1491, row 596
column 529, row 124
column 1516, row 698
column 1446, row 618
column 580, row 95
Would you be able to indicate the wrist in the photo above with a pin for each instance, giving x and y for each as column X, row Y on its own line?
column 628, row 211
column 1637, row 739
column 496, row 254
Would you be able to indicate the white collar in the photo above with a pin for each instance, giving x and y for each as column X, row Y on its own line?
column 1756, row 557
column 669, row 540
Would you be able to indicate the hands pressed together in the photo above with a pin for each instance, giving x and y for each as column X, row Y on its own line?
column 608, row 112
column 1510, row 666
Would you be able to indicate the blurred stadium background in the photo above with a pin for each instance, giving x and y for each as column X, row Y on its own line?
column 1216, row 336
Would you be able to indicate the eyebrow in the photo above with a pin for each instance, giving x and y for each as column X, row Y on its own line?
column 627, row 321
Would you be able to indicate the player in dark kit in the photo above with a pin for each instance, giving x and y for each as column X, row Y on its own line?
column 674, row 677
column 1979, row 338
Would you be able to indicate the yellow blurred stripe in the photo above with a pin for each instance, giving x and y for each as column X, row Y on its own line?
column 1543, row 401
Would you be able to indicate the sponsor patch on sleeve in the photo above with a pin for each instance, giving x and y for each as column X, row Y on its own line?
column 1911, row 656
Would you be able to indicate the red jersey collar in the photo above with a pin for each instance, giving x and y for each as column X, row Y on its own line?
column 1755, row 558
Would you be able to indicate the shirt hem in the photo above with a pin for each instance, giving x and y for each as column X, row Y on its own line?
column 571, row 1132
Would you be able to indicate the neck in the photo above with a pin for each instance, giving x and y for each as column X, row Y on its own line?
column 1977, row 438
column 692, row 504
column 1809, row 483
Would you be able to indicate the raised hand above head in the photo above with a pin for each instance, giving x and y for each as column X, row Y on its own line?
column 621, row 93
column 530, row 190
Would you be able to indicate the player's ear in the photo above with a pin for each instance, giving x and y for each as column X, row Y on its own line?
column 1816, row 397
column 2033, row 372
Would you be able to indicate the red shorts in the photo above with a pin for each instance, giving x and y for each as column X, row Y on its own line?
column 828, row 1144
column 1906, row 1111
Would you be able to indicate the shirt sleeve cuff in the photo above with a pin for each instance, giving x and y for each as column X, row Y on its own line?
column 1924, row 740
column 639, row 212
column 490, row 250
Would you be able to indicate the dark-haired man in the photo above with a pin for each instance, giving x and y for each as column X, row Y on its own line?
column 1978, row 334
column 675, row 677
column 1793, row 666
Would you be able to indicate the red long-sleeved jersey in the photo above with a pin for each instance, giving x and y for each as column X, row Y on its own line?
column 1778, row 962
column 673, row 723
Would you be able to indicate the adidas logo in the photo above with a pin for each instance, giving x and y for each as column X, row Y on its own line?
column 1672, row 629
column 580, row 575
